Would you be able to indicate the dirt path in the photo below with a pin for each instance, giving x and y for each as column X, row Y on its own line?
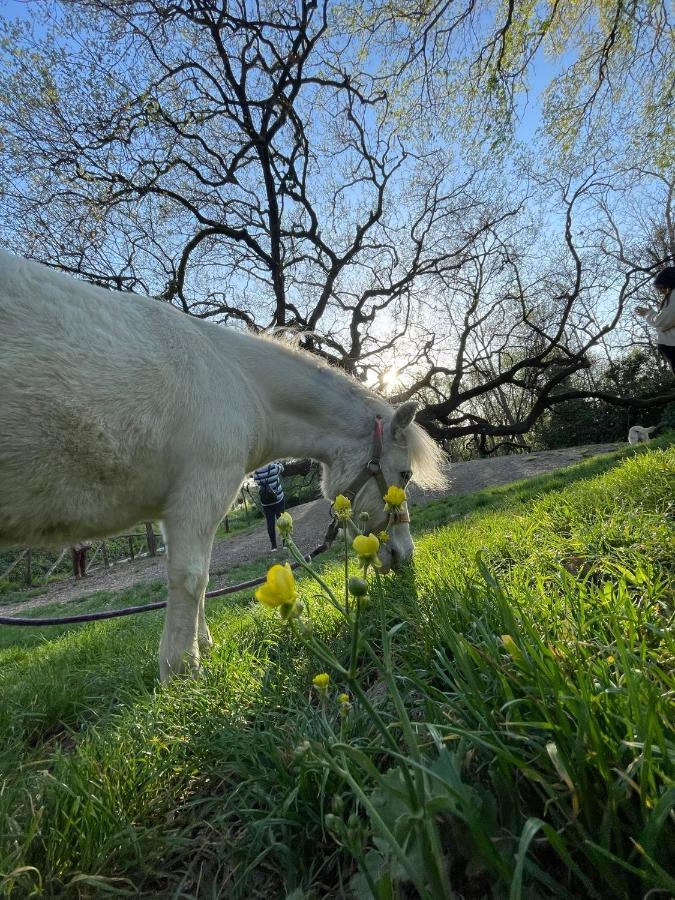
column 310, row 521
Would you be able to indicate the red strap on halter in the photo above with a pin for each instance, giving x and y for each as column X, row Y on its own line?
column 378, row 439
column 378, row 431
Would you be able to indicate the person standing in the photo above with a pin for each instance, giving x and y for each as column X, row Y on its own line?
column 79, row 553
column 271, row 493
column 663, row 319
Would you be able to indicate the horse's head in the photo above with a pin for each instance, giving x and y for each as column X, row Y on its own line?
column 393, row 451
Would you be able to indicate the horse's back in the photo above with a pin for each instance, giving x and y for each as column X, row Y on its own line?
column 87, row 405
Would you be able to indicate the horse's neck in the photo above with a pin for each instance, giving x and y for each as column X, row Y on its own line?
column 310, row 410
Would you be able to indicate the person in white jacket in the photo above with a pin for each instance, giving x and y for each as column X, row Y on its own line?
column 663, row 319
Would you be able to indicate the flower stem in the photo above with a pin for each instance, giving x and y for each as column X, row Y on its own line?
column 347, row 570
column 355, row 639
column 302, row 562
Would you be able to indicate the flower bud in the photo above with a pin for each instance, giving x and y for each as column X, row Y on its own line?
column 301, row 750
column 345, row 704
column 334, row 824
column 305, row 627
column 285, row 525
column 358, row 587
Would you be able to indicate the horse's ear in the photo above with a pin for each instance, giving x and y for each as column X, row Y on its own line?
column 403, row 417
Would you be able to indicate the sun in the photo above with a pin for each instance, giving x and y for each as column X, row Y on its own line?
column 390, row 380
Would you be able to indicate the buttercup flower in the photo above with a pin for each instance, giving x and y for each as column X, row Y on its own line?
column 285, row 525
column 321, row 681
column 279, row 589
column 342, row 507
column 394, row 498
column 383, row 537
column 367, row 546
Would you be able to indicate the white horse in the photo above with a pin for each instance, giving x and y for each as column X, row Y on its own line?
column 115, row 409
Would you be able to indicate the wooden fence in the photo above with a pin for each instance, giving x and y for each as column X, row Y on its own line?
column 36, row 564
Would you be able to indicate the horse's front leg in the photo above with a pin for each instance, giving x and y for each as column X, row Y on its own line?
column 188, row 569
column 190, row 527
column 204, row 639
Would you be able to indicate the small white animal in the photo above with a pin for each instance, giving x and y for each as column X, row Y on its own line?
column 640, row 435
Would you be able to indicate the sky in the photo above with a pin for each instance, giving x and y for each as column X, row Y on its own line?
column 529, row 106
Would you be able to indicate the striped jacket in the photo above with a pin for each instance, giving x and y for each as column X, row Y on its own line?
column 270, row 476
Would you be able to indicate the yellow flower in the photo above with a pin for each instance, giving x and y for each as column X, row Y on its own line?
column 343, row 698
column 367, row 546
column 343, row 507
column 279, row 589
column 321, row 681
column 383, row 537
column 395, row 497
column 285, row 525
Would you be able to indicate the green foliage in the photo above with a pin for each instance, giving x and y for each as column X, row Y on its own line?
column 531, row 645
column 592, row 421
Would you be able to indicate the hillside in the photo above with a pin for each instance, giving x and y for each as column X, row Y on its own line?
column 311, row 519
column 531, row 647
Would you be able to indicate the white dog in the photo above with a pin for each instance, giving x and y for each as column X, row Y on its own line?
column 640, row 435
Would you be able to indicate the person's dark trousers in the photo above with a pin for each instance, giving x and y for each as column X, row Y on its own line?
column 667, row 351
column 79, row 562
column 272, row 513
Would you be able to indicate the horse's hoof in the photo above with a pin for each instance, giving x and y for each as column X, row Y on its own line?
column 187, row 666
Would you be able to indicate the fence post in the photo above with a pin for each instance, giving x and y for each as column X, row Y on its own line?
column 29, row 566
column 56, row 564
column 14, row 563
column 131, row 547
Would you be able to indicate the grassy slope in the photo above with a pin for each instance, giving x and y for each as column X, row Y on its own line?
column 195, row 788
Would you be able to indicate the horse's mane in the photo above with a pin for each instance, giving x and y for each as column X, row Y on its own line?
column 427, row 459
column 289, row 340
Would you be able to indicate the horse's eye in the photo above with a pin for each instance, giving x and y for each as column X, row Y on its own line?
column 406, row 476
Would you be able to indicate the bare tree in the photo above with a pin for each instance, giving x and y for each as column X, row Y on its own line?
column 231, row 161
column 246, row 163
column 524, row 328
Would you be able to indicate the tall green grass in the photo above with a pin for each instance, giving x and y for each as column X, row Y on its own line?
column 534, row 648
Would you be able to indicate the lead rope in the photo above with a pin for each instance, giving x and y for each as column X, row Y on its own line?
column 328, row 539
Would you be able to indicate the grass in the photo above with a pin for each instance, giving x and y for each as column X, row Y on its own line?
column 534, row 649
